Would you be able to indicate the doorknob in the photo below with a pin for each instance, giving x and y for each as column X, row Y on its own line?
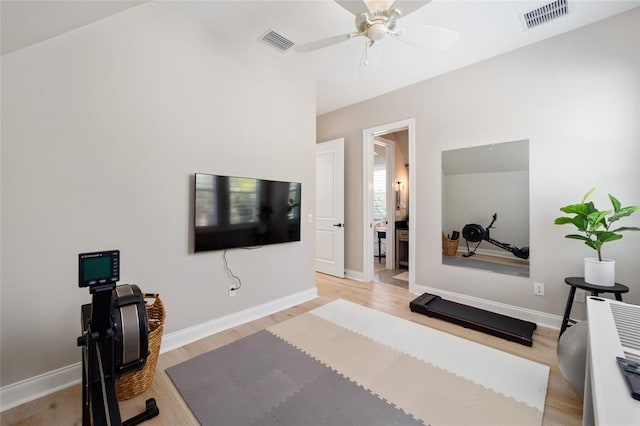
column 338, row 225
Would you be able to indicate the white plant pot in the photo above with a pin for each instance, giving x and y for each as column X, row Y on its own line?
column 600, row 272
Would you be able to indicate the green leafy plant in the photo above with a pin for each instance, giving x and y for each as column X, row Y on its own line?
column 594, row 224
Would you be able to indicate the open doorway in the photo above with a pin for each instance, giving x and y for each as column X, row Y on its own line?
column 387, row 203
column 382, row 202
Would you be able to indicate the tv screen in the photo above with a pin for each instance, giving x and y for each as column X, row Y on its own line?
column 235, row 211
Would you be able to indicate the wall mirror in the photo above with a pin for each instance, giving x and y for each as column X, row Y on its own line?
column 485, row 204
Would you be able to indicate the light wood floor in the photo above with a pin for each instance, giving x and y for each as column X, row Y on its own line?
column 64, row 407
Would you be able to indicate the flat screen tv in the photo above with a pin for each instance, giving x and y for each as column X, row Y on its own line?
column 232, row 212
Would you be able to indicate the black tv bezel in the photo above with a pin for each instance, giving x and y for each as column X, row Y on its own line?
column 231, row 244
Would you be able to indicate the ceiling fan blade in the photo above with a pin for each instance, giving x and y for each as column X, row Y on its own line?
column 427, row 36
column 325, row 42
column 354, row 6
column 407, row 6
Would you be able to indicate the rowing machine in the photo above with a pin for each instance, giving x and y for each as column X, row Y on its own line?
column 476, row 234
column 114, row 341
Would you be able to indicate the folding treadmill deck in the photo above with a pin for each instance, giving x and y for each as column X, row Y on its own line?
column 509, row 328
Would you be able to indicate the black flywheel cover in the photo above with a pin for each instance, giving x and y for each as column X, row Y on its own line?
column 473, row 232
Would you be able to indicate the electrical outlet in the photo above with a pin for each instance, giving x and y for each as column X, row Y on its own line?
column 580, row 296
column 538, row 289
column 232, row 291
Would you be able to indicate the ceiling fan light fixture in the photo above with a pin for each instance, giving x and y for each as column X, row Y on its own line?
column 376, row 32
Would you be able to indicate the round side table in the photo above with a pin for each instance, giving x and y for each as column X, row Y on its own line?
column 596, row 290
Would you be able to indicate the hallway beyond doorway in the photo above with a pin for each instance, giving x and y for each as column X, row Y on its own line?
column 385, row 276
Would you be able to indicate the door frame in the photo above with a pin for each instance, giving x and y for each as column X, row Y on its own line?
column 368, row 136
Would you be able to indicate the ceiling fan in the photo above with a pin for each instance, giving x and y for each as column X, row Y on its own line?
column 376, row 19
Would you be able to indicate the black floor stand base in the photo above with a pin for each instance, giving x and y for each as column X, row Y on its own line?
column 150, row 412
column 509, row 328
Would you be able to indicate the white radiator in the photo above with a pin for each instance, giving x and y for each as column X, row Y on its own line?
column 614, row 330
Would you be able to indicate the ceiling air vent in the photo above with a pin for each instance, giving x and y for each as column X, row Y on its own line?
column 544, row 13
column 276, row 41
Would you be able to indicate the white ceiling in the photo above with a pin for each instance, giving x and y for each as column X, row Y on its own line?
column 486, row 28
column 26, row 22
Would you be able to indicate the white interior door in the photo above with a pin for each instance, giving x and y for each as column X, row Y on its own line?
column 330, row 207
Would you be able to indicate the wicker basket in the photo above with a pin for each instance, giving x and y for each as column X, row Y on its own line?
column 130, row 386
column 449, row 246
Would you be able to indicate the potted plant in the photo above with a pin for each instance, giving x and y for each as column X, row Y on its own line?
column 595, row 230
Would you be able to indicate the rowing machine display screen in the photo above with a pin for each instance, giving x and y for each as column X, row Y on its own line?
column 97, row 268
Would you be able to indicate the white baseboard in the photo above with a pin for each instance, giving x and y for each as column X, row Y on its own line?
column 36, row 387
column 354, row 275
column 189, row 335
column 541, row 318
column 44, row 384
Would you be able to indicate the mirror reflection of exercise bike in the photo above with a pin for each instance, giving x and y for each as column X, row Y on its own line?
column 476, row 234
column 114, row 341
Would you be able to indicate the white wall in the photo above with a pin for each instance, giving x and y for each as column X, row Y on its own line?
column 102, row 130
column 575, row 97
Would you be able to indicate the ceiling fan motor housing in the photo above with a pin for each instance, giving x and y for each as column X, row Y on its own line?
column 362, row 23
column 377, row 23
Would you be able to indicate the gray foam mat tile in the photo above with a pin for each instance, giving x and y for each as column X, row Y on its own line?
column 262, row 380
column 272, row 389
column 296, row 363
column 266, row 420
column 214, row 397
column 240, row 361
column 364, row 408
column 334, row 400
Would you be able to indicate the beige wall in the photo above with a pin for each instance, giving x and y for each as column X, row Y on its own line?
column 102, row 130
column 575, row 97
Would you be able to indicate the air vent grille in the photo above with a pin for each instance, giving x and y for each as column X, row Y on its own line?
column 544, row 13
column 277, row 41
column 627, row 320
